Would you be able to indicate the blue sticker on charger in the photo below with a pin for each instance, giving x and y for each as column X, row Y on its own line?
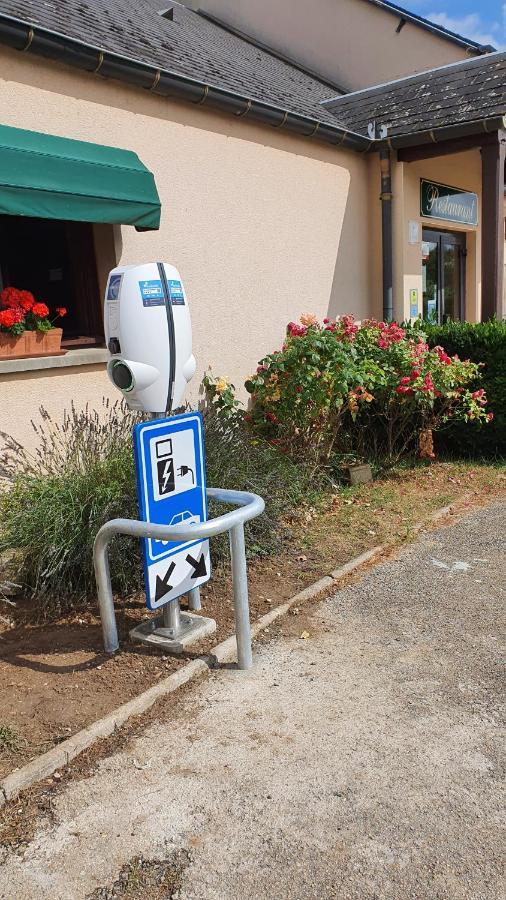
column 176, row 292
column 152, row 293
column 113, row 287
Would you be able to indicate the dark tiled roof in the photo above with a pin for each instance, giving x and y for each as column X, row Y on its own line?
column 467, row 91
column 190, row 45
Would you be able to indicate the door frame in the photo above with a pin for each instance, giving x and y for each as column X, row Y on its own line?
column 458, row 239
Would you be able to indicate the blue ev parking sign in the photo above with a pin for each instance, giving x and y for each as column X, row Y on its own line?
column 171, row 487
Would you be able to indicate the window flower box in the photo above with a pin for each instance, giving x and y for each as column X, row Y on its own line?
column 31, row 343
column 26, row 329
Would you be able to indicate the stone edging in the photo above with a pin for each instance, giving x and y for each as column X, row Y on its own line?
column 48, row 763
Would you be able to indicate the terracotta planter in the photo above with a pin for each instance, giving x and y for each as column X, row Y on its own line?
column 31, row 343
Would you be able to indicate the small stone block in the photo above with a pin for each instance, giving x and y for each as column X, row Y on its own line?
column 361, row 474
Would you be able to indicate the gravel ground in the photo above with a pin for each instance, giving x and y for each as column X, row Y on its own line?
column 362, row 760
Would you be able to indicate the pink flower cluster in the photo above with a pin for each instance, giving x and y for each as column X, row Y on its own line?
column 390, row 334
column 295, row 330
column 345, row 326
column 443, row 356
column 406, row 384
column 480, row 396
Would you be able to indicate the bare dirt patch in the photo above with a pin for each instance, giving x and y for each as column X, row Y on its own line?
column 55, row 678
column 144, row 879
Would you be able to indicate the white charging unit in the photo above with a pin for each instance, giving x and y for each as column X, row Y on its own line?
column 149, row 336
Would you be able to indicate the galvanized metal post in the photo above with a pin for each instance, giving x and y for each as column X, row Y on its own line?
column 105, row 598
column 241, row 604
column 172, row 616
column 194, row 600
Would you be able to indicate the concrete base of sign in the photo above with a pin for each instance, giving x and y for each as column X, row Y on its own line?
column 155, row 633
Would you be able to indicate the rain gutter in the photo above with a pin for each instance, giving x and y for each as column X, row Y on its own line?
column 52, row 45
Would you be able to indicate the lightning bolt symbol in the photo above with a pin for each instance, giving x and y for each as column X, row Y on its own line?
column 165, row 476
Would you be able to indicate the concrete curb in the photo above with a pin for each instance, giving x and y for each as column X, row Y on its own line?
column 48, row 763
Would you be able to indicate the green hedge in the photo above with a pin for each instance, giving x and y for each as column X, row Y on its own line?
column 484, row 342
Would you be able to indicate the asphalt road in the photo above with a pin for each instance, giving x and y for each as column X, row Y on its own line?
column 363, row 761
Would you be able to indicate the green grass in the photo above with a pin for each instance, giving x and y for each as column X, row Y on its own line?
column 9, row 739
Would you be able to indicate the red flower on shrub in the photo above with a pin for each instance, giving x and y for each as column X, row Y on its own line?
column 10, row 297
column 443, row 356
column 490, row 416
column 349, row 327
column 295, row 330
column 480, row 396
column 61, row 311
column 8, row 318
column 40, row 310
column 428, row 384
column 26, row 300
column 271, row 417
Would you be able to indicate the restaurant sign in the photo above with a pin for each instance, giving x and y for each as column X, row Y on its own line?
column 439, row 201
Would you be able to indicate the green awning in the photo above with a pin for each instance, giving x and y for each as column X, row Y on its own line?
column 57, row 178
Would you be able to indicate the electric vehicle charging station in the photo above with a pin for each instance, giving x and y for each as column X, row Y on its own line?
column 149, row 338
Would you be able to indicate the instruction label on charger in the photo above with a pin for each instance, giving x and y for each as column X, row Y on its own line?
column 176, row 292
column 152, row 293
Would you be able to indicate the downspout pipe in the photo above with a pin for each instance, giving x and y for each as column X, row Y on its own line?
column 42, row 41
column 386, row 233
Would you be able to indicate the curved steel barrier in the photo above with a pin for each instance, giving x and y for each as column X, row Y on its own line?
column 249, row 507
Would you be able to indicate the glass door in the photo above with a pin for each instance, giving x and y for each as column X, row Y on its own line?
column 443, row 275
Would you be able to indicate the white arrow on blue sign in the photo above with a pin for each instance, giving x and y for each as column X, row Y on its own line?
column 171, row 487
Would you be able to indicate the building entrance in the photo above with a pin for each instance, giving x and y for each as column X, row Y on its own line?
column 443, row 275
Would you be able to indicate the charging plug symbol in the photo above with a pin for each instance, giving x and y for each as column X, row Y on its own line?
column 186, row 470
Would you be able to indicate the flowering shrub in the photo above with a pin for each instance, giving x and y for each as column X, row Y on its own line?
column 19, row 311
column 370, row 389
column 220, row 395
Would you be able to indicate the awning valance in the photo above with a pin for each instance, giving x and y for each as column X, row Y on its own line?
column 52, row 177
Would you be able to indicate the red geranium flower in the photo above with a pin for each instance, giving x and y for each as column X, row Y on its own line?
column 10, row 297
column 40, row 310
column 26, row 300
column 61, row 311
column 8, row 318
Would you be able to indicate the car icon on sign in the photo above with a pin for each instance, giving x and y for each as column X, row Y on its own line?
column 183, row 518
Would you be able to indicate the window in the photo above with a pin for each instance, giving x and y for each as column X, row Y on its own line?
column 56, row 261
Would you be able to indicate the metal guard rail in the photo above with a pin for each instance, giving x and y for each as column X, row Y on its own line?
column 249, row 507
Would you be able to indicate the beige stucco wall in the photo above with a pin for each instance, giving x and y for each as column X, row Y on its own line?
column 262, row 226
column 23, row 393
column 462, row 170
column 351, row 42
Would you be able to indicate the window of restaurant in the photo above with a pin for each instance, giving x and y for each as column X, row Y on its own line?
column 55, row 261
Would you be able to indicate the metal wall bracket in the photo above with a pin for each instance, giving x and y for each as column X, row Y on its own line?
column 249, row 507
